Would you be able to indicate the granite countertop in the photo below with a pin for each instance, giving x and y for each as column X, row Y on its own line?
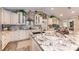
column 53, row 43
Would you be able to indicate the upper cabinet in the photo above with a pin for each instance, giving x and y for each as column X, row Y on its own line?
column 53, row 21
column 21, row 17
column 0, row 15
column 5, row 17
column 8, row 17
column 0, row 19
column 14, row 18
column 39, row 17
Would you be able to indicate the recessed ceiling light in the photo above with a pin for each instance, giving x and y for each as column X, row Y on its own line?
column 52, row 8
column 72, row 11
column 61, row 15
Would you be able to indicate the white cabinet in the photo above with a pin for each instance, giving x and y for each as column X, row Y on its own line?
column 5, row 17
column 15, row 36
column 44, row 24
column 14, row 18
column 38, row 19
column 0, row 19
column 53, row 21
column 21, row 18
column 19, row 35
column 0, row 15
column 8, row 17
column 50, row 22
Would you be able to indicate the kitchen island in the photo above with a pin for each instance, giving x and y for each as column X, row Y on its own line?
column 56, row 43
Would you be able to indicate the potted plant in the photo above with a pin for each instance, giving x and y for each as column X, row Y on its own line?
column 52, row 16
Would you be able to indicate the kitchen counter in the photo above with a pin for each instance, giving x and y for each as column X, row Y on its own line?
column 54, row 43
column 45, row 41
column 15, row 35
column 9, row 36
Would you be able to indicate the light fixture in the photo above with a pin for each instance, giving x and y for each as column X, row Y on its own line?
column 61, row 15
column 52, row 8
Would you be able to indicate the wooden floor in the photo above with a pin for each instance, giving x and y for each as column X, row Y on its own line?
column 11, row 46
column 23, row 46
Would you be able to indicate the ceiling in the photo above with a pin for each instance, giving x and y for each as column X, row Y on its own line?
column 61, row 12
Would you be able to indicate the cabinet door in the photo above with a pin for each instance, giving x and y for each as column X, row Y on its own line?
column 14, row 18
column 0, row 16
column 0, row 19
column 5, row 17
column 38, row 20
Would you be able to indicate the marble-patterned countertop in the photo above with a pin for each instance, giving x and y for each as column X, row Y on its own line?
column 54, row 43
